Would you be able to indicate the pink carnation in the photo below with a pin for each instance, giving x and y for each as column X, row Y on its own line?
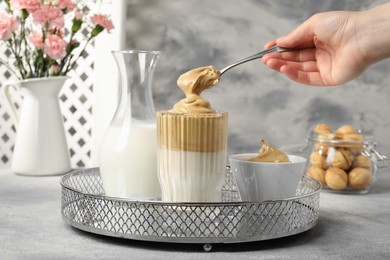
column 55, row 47
column 54, row 68
column 29, row 5
column 8, row 25
column 69, row 5
column 51, row 14
column 36, row 40
column 78, row 15
column 103, row 21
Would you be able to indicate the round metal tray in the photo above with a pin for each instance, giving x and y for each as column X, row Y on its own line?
column 84, row 206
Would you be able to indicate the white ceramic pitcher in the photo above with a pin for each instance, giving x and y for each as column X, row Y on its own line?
column 40, row 145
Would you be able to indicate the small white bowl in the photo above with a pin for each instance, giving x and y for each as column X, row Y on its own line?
column 260, row 181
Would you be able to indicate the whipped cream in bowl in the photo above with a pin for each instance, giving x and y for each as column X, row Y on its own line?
column 267, row 175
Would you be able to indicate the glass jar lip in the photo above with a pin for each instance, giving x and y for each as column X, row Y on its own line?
column 214, row 114
column 136, row 51
column 321, row 138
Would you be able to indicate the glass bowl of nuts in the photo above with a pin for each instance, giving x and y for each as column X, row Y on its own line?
column 344, row 161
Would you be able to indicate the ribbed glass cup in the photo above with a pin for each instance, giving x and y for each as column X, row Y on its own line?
column 192, row 150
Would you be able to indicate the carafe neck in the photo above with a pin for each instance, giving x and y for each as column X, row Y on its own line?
column 136, row 70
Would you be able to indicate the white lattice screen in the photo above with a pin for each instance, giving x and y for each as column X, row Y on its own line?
column 7, row 129
column 76, row 102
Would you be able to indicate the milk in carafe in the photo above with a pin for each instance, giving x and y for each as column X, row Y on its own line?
column 128, row 158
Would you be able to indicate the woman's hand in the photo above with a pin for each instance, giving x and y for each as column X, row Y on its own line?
column 333, row 47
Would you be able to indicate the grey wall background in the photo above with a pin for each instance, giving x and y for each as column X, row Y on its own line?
column 261, row 103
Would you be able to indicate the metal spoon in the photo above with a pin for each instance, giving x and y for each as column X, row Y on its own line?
column 254, row 56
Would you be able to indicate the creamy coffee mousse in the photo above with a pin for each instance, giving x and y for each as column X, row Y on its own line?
column 192, row 142
column 268, row 153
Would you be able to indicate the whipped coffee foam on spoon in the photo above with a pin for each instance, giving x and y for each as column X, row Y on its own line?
column 193, row 83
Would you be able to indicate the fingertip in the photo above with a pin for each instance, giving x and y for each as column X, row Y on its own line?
column 283, row 41
column 269, row 44
column 271, row 63
column 264, row 59
column 274, row 64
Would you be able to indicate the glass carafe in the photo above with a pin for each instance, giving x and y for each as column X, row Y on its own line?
column 128, row 152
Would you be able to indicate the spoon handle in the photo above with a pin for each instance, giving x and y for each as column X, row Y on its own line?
column 255, row 56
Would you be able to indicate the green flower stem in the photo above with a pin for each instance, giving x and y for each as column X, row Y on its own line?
column 26, row 50
column 95, row 32
column 67, row 64
column 67, row 57
column 43, row 68
column 8, row 6
column 19, row 62
column 76, row 26
column 18, row 42
column 71, row 63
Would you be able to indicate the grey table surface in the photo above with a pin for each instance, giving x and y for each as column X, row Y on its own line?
column 31, row 227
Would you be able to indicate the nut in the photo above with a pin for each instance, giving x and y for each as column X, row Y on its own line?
column 339, row 154
column 322, row 147
column 362, row 161
column 325, row 133
column 336, row 178
column 355, row 148
column 318, row 160
column 345, row 130
column 317, row 173
column 359, row 178
column 353, row 137
column 323, row 129
column 348, row 155
column 342, row 159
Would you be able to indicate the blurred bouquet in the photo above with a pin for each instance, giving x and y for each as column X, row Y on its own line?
column 40, row 39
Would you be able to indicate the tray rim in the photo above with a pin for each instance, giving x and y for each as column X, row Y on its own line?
column 159, row 202
column 186, row 240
